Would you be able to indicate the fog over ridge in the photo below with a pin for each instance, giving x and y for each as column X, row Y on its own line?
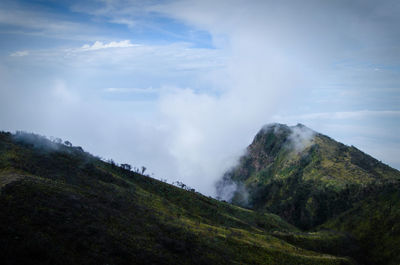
column 182, row 87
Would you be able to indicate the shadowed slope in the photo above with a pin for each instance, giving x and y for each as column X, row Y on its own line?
column 61, row 205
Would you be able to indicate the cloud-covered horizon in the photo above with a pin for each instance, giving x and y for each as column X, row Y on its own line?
column 181, row 87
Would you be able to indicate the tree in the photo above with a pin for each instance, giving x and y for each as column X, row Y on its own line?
column 126, row 166
column 80, row 149
column 143, row 169
column 112, row 162
column 56, row 140
column 68, row 143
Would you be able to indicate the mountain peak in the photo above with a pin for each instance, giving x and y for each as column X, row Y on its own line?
column 313, row 182
column 275, row 136
column 282, row 127
column 284, row 162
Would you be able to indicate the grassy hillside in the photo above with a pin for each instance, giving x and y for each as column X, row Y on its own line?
column 311, row 180
column 375, row 221
column 61, row 205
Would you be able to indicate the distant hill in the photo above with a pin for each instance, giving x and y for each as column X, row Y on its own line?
column 61, row 205
column 313, row 181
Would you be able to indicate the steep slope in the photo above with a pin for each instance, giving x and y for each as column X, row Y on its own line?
column 375, row 222
column 60, row 205
column 309, row 179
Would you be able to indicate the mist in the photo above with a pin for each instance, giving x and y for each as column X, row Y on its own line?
column 301, row 137
column 187, row 108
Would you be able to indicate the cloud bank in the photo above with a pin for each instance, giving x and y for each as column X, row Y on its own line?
column 186, row 106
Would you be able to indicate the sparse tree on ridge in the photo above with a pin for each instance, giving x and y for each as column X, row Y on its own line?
column 126, row 166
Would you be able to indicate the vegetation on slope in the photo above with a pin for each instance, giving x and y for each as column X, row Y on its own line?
column 309, row 179
column 305, row 186
column 375, row 222
column 61, row 205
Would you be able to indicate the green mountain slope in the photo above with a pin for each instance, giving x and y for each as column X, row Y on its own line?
column 375, row 221
column 310, row 179
column 61, row 205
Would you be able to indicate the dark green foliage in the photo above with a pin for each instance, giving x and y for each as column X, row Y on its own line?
column 316, row 184
column 60, row 205
column 375, row 222
column 325, row 241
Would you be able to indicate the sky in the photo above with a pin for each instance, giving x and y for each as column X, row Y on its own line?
column 182, row 87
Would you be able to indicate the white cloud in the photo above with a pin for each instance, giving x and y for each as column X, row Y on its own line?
column 98, row 45
column 301, row 137
column 270, row 56
column 124, row 21
column 19, row 53
column 20, row 17
column 344, row 115
column 276, row 52
column 149, row 90
column 116, row 11
column 62, row 93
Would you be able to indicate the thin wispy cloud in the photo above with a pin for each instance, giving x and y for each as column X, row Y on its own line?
column 130, row 90
column 98, row 45
column 37, row 22
column 124, row 21
column 343, row 115
column 19, row 53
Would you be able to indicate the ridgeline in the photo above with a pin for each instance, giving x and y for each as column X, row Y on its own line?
column 317, row 184
column 61, row 205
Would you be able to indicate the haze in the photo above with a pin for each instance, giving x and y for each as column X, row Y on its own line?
column 182, row 87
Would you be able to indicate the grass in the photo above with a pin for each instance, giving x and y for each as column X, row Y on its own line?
column 61, row 205
column 327, row 185
column 374, row 222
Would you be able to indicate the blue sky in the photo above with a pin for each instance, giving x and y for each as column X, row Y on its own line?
column 182, row 86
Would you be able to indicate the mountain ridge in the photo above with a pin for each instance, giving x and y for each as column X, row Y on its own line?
column 61, row 205
column 311, row 180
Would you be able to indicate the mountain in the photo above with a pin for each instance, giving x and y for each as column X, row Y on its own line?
column 62, row 205
column 315, row 182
